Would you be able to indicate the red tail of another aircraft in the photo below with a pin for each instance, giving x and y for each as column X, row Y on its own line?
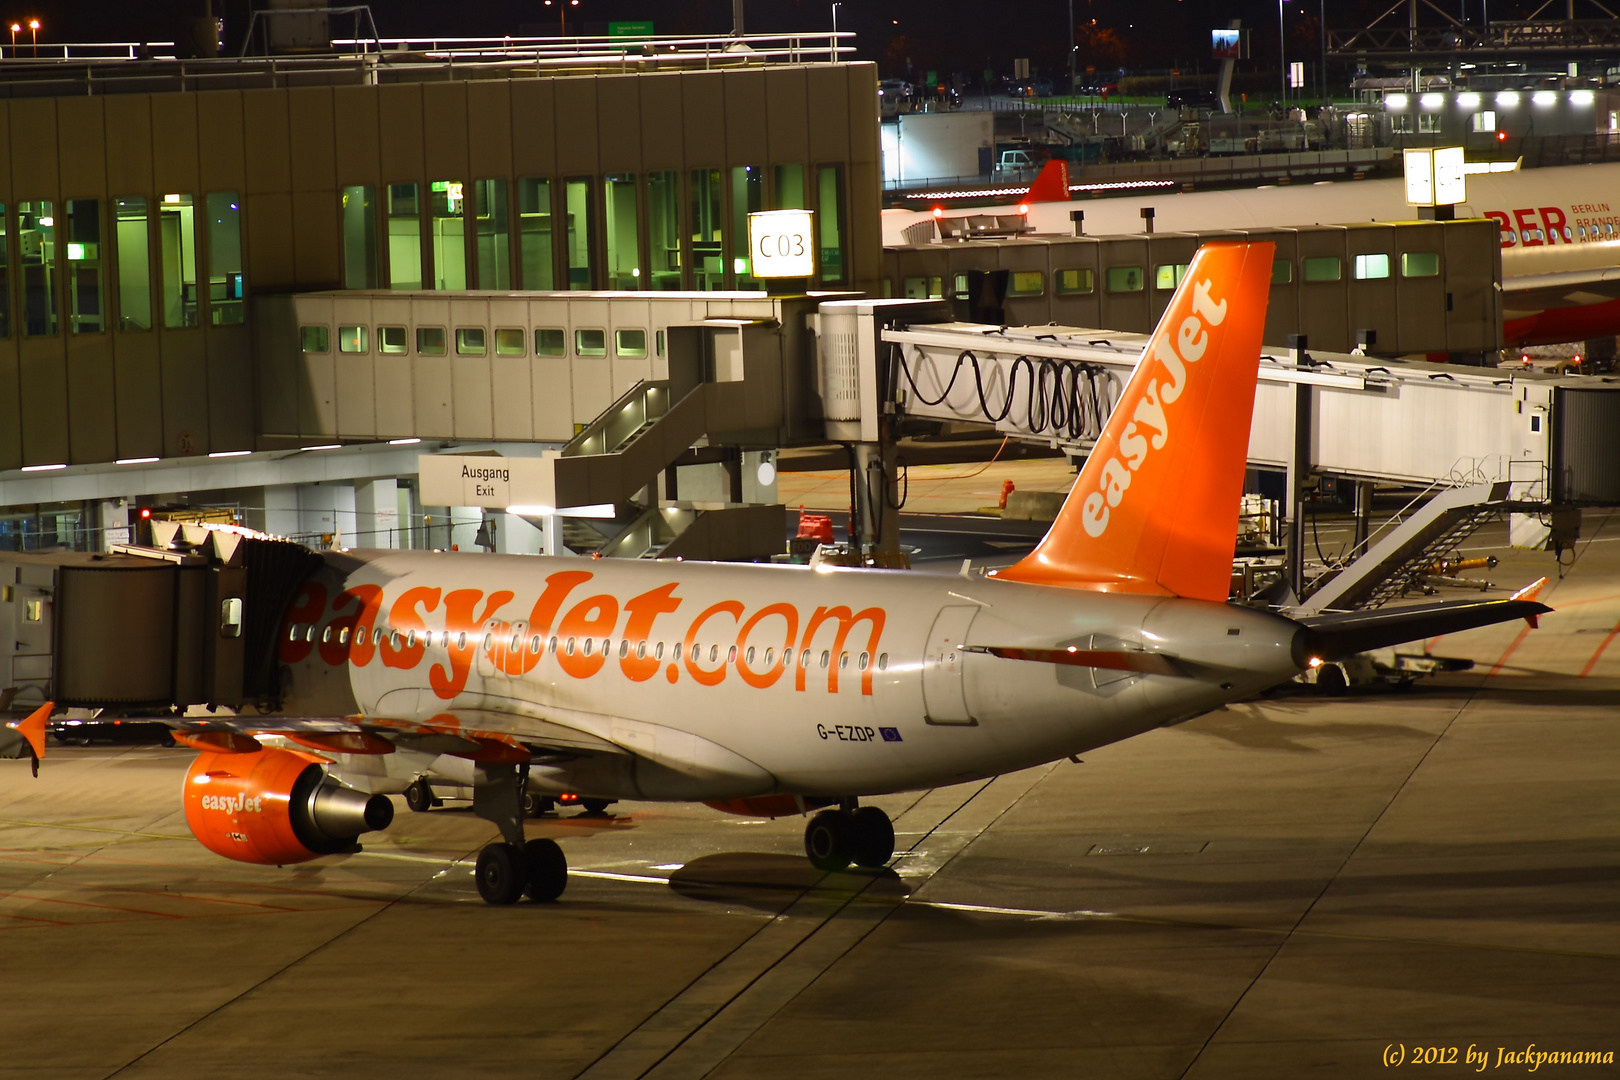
column 1052, row 185
column 1155, row 508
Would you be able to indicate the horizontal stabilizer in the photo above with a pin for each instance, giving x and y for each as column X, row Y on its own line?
column 1340, row 634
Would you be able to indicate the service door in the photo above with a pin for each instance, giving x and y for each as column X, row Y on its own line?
column 943, row 699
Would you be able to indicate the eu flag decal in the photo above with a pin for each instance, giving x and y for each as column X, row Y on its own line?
column 890, row 734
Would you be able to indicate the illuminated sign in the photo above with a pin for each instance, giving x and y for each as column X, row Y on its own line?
column 488, row 481
column 1229, row 44
column 781, row 243
column 1435, row 177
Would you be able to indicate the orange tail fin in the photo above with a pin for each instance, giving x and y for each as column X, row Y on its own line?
column 1052, row 185
column 1155, row 508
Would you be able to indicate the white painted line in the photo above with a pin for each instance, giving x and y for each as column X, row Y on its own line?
column 639, row 878
column 1030, row 913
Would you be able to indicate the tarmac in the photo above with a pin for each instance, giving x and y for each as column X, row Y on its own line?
column 1294, row 886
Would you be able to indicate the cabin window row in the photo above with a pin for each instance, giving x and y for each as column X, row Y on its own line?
column 511, row 341
column 540, row 645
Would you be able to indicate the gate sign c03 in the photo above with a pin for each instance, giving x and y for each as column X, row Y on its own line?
column 781, row 243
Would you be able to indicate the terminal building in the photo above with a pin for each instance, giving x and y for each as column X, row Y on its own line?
column 157, row 213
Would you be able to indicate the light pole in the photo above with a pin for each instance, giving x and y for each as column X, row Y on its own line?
column 562, row 15
column 33, row 25
column 16, row 28
column 1282, row 50
column 1072, row 49
column 835, row 33
column 1323, row 18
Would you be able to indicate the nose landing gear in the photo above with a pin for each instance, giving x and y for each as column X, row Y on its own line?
column 835, row 838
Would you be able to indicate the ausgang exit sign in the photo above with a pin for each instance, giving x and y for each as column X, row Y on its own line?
column 781, row 243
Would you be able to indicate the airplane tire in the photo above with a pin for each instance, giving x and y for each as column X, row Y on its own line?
column 535, row 804
column 419, row 796
column 546, row 869
column 827, row 841
column 500, row 875
column 596, row 806
column 1331, row 680
column 872, row 843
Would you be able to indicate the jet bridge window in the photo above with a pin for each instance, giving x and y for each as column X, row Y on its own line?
column 550, row 342
column 1282, row 272
column 470, row 341
column 1372, row 267
column 631, row 343
column 590, row 342
column 1169, row 275
column 315, row 339
column 509, row 342
column 352, row 339
column 1322, row 268
column 1124, row 279
column 922, row 288
column 1025, row 283
column 1420, row 264
column 391, row 340
column 430, row 341
column 1072, row 282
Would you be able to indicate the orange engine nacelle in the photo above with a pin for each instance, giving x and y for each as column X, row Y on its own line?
column 275, row 806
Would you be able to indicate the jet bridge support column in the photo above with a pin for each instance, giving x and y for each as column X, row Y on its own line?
column 876, row 522
column 1299, row 468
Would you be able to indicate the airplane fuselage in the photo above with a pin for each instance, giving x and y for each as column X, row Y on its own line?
column 727, row 681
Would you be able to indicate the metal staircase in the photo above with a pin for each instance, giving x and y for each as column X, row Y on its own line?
column 1392, row 567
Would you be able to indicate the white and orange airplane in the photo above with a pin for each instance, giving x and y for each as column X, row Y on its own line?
column 773, row 690
column 1560, row 230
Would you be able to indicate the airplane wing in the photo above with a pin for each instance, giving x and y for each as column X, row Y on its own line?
column 1339, row 634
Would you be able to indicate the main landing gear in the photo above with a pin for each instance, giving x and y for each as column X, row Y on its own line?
column 513, row 866
column 860, row 835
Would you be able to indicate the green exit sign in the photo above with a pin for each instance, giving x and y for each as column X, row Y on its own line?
column 630, row 29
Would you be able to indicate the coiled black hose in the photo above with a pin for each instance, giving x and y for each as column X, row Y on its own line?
column 1063, row 397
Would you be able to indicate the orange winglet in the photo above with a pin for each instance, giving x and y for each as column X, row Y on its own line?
column 33, row 728
column 1052, row 184
column 1155, row 508
column 1530, row 592
column 223, row 742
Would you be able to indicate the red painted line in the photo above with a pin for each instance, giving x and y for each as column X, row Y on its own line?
column 1509, row 651
column 31, row 918
column 1592, row 663
column 104, row 907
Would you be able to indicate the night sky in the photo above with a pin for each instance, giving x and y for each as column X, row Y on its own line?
column 942, row 35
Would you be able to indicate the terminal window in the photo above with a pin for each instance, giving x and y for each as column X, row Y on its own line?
column 623, row 230
column 177, row 234
column 1124, row 279
column 447, row 201
column 83, row 250
column 226, row 305
column 391, row 340
column 494, row 254
column 581, row 257
column 1371, row 267
column 1074, row 282
column 708, row 231
column 664, row 230
column 1420, row 264
column 535, row 250
column 132, row 240
column 36, row 247
column 404, row 237
column 1322, row 268
column 830, row 223
column 358, row 207
column 549, row 341
column 747, row 197
column 5, row 285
